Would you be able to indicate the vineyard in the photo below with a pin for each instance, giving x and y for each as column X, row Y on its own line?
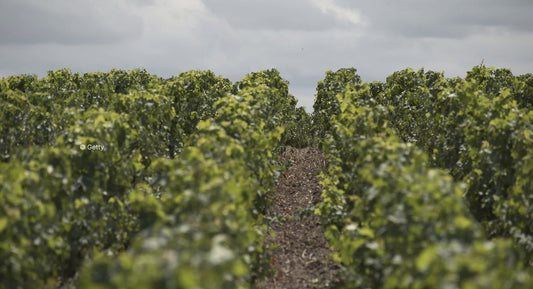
column 128, row 180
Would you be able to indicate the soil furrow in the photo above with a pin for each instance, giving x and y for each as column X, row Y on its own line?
column 302, row 256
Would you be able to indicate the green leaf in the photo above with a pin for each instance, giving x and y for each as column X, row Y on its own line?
column 3, row 223
column 426, row 258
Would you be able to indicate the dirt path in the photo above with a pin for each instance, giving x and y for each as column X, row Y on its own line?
column 302, row 257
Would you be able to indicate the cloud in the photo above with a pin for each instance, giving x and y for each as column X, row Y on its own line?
column 66, row 22
column 446, row 19
column 341, row 13
column 301, row 38
column 170, row 21
column 300, row 15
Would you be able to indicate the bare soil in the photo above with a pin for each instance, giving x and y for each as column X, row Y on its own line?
column 301, row 257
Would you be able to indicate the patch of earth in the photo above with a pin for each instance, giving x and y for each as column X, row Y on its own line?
column 301, row 257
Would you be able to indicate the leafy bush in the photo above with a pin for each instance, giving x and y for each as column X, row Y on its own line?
column 63, row 202
column 394, row 221
column 326, row 104
column 206, row 231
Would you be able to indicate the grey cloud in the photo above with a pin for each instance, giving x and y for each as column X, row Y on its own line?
column 509, row 14
column 272, row 15
column 143, row 2
column 27, row 22
column 444, row 19
column 235, row 37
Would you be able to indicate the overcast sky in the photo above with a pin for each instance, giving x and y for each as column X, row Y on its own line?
column 301, row 38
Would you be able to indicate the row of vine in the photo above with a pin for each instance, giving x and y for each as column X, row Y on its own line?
column 428, row 184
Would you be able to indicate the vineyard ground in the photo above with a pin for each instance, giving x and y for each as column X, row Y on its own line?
column 301, row 258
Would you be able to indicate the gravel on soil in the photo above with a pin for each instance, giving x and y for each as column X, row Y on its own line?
column 301, row 256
